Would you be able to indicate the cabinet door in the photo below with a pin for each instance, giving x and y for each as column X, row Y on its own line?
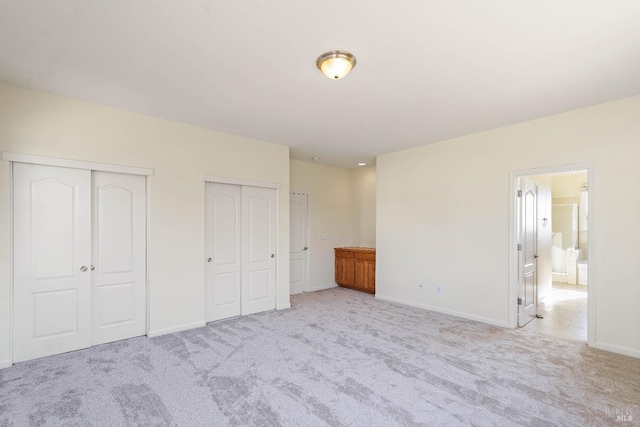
column 345, row 269
column 360, row 274
column 52, row 259
column 369, row 283
column 365, row 273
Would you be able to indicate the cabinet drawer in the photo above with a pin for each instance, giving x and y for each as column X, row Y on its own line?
column 340, row 253
column 366, row 256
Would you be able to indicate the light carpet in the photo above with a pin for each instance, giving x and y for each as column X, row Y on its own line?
column 336, row 358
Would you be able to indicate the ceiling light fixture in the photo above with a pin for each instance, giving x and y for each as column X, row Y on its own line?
column 362, row 164
column 316, row 158
column 336, row 64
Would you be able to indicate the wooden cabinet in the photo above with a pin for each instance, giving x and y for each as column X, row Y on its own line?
column 356, row 268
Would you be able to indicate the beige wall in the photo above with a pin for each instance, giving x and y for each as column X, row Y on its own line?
column 329, row 192
column 41, row 124
column 342, row 207
column 363, row 189
column 566, row 189
column 568, row 185
column 443, row 216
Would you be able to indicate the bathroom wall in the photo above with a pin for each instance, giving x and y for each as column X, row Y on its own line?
column 567, row 189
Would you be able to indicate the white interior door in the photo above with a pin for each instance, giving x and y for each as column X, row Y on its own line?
column 298, row 243
column 258, row 249
column 52, row 256
column 223, row 250
column 527, row 251
column 119, row 253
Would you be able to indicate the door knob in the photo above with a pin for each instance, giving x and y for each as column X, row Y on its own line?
column 93, row 267
column 83, row 268
column 209, row 259
column 305, row 248
column 273, row 255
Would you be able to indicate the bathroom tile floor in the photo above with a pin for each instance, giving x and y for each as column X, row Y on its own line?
column 564, row 313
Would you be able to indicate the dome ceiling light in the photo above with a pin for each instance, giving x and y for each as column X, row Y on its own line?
column 336, row 64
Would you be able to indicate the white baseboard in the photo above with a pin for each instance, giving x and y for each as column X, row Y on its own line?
column 283, row 306
column 322, row 288
column 617, row 349
column 5, row 364
column 180, row 328
column 445, row 311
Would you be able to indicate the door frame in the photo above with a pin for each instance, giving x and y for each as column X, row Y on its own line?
column 76, row 164
column 591, row 244
column 308, row 254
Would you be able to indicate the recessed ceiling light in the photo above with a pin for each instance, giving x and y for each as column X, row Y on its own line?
column 316, row 158
column 362, row 164
column 336, row 64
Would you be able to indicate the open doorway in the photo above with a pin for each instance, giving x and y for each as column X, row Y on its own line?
column 551, row 229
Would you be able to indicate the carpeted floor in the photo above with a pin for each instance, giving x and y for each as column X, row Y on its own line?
column 338, row 358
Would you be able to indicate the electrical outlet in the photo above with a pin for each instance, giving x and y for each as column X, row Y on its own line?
column 438, row 289
column 421, row 287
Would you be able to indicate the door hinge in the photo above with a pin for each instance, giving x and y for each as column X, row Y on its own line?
column 519, row 246
column 519, row 301
column 519, row 193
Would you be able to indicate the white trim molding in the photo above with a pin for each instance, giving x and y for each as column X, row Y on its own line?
column 444, row 311
column 325, row 287
column 9, row 362
column 179, row 328
column 75, row 164
column 617, row 349
column 283, row 306
column 238, row 181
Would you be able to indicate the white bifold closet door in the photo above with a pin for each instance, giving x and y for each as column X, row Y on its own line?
column 258, row 249
column 240, row 250
column 79, row 278
column 119, row 256
column 51, row 260
column 224, row 255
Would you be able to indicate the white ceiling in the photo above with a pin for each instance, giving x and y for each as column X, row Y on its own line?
column 427, row 70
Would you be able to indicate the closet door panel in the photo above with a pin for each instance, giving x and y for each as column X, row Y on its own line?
column 259, row 249
column 52, row 247
column 223, row 250
column 119, row 256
